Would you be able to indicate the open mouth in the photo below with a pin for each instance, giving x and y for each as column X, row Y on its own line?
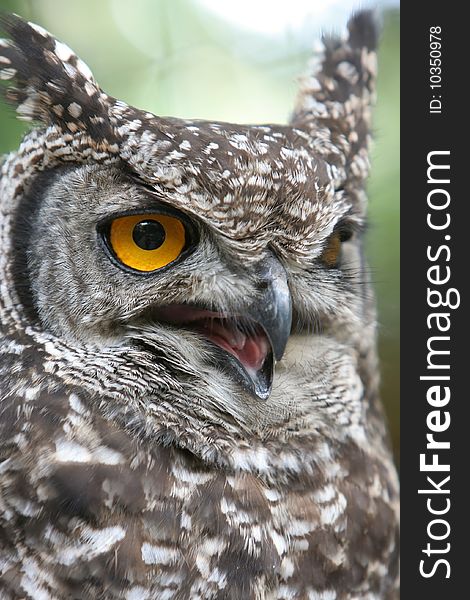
column 245, row 345
column 245, row 350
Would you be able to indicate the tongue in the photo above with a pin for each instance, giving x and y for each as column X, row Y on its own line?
column 254, row 352
column 251, row 351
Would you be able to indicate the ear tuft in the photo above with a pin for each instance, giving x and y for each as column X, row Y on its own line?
column 364, row 30
column 47, row 82
column 334, row 103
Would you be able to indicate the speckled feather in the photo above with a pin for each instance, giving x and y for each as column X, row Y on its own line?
column 129, row 467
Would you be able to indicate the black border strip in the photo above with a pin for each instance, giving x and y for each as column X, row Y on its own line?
column 442, row 129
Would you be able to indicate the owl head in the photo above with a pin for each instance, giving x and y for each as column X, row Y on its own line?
column 203, row 279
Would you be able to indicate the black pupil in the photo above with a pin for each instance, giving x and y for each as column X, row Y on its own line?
column 149, row 235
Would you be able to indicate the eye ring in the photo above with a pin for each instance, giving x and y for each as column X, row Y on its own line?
column 168, row 237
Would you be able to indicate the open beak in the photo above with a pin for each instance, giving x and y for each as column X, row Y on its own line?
column 273, row 310
column 249, row 343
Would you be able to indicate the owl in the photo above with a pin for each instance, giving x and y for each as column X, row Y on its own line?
column 189, row 385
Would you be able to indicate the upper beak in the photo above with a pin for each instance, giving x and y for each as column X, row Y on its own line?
column 273, row 309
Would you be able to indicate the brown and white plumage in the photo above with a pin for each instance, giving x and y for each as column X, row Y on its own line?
column 134, row 462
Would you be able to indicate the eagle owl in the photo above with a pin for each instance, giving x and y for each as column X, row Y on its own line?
column 189, row 390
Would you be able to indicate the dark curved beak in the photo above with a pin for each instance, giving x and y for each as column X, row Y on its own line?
column 273, row 309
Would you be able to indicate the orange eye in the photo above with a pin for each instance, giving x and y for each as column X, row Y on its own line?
column 332, row 250
column 147, row 242
column 331, row 255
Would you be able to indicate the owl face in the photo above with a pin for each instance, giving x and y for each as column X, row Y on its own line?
column 228, row 255
column 134, row 260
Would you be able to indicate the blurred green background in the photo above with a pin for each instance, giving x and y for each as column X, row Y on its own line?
column 181, row 58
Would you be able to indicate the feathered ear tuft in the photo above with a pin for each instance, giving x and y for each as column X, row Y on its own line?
column 47, row 82
column 364, row 30
column 334, row 103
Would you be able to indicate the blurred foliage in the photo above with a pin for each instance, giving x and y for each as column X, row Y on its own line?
column 173, row 57
column 383, row 240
